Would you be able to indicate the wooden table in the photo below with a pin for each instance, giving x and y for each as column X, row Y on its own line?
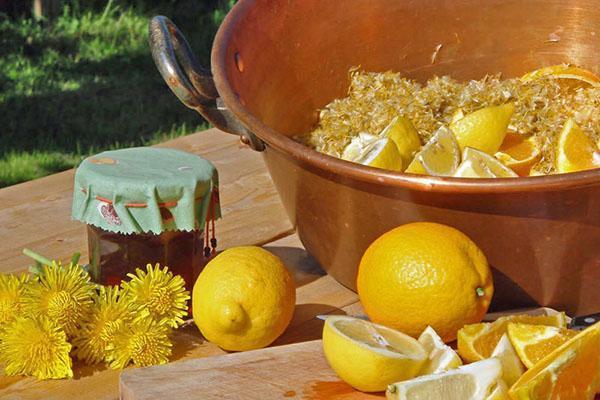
column 36, row 215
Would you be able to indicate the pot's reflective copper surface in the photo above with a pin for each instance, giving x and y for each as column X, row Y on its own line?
column 276, row 62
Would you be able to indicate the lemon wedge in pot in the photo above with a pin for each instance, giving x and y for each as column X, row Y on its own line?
column 405, row 136
column 358, row 146
column 477, row 164
column 483, row 129
column 369, row 356
column 383, row 154
column 439, row 157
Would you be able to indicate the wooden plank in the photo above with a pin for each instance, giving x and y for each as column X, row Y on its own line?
column 293, row 371
column 316, row 294
column 37, row 214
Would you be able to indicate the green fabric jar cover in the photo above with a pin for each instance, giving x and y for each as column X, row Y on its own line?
column 146, row 190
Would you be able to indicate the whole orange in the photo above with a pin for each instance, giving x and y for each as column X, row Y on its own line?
column 423, row 274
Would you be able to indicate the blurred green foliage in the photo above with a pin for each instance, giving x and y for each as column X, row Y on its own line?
column 86, row 82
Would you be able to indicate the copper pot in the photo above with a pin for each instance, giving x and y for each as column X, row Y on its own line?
column 276, row 62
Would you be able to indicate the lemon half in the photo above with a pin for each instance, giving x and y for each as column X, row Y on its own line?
column 369, row 356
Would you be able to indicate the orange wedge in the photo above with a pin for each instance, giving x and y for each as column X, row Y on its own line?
column 572, row 371
column 575, row 150
column 478, row 341
column 534, row 342
column 519, row 153
column 563, row 71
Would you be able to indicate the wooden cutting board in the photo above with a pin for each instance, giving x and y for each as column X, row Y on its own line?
column 296, row 371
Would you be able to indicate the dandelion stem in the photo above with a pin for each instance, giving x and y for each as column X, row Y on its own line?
column 75, row 258
column 37, row 257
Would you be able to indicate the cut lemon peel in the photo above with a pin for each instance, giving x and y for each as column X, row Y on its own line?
column 369, row 356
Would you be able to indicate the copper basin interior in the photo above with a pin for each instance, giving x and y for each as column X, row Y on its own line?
column 276, row 62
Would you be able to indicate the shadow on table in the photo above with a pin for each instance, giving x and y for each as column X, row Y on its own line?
column 306, row 326
column 302, row 265
column 82, row 370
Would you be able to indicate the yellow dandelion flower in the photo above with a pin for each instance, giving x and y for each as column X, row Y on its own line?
column 35, row 346
column 144, row 342
column 62, row 293
column 11, row 290
column 159, row 294
column 107, row 316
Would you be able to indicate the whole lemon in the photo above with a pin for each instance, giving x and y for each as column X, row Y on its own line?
column 423, row 274
column 243, row 299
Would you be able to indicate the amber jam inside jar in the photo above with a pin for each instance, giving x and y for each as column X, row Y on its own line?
column 114, row 255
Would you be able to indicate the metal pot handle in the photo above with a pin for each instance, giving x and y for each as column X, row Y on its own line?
column 190, row 82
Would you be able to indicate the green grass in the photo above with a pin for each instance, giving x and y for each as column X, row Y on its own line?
column 86, row 82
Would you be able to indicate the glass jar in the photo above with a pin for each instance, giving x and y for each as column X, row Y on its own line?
column 114, row 255
column 147, row 206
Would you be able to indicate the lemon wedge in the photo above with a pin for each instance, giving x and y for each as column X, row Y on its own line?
column 483, row 129
column 571, row 371
column 477, row 164
column 383, row 154
column 439, row 157
column 458, row 114
column 369, row 356
column 441, row 356
column 534, row 342
column 575, row 150
column 512, row 368
column 359, row 145
column 519, row 153
column 563, row 71
column 469, row 382
column 499, row 393
column 403, row 133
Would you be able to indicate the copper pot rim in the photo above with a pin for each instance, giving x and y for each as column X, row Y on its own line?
column 360, row 172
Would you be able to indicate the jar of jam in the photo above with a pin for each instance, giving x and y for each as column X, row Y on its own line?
column 147, row 206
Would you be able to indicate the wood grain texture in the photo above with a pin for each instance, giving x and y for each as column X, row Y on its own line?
column 37, row 214
column 297, row 371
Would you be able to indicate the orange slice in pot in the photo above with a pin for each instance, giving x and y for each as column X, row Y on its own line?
column 564, row 71
column 571, row 371
column 519, row 153
column 575, row 150
column 478, row 341
column 534, row 342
